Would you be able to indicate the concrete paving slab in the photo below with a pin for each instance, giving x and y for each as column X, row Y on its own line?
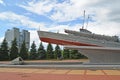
column 59, row 72
column 80, row 72
column 112, row 72
column 43, row 71
column 94, row 72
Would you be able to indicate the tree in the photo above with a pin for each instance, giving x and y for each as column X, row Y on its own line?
column 57, row 52
column 23, row 51
column 14, row 50
column 66, row 53
column 74, row 54
column 33, row 51
column 41, row 52
column 50, row 51
column 4, row 51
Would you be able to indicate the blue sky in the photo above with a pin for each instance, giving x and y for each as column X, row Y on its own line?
column 54, row 15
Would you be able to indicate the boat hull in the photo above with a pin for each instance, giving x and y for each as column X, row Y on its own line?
column 63, row 42
column 64, row 39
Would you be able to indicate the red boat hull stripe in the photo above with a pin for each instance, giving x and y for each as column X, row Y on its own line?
column 63, row 42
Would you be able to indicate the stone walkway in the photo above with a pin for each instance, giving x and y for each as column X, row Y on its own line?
column 57, row 74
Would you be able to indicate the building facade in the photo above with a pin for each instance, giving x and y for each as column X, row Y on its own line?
column 24, row 35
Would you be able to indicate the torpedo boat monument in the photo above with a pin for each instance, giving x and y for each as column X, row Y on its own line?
column 100, row 49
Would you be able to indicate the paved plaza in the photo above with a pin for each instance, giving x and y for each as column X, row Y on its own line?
column 58, row 70
column 57, row 74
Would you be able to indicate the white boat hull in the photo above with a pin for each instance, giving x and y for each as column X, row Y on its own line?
column 64, row 39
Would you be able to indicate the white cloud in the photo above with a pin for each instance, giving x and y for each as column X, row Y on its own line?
column 1, row 2
column 69, row 10
column 73, row 9
column 19, row 19
column 34, row 37
column 66, row 11
column 40, row 7
column 60, row 11
column 1, row 39
column 109, row 28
